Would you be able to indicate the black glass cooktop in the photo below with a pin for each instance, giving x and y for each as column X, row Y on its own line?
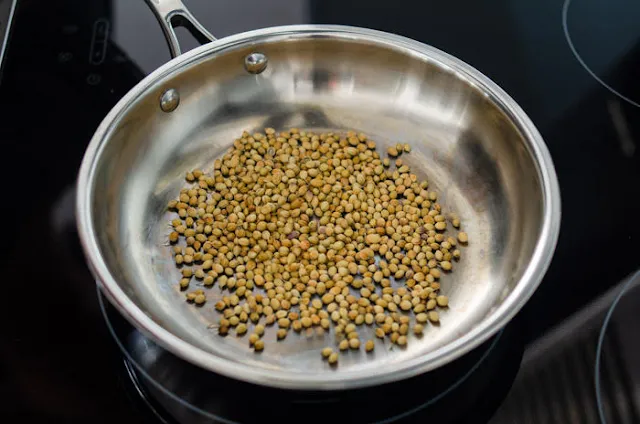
column 572, row 65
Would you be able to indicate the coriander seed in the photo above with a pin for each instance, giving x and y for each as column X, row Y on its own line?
column 311, row 231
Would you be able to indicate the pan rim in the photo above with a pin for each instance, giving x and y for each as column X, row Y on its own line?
column 536, row 268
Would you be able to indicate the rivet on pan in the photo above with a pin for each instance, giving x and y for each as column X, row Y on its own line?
column 169, row 100
column 255, row 63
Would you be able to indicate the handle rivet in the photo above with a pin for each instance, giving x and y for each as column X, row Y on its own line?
column 169, row 100
column 255, row 63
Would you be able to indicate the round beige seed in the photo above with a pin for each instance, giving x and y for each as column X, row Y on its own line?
column 306, row 322
column 253, row 338
column 284, row 323
column 369, row 346
column 302, row 216
column 375, row 238
column 405, row 305
column 354, row 343
column 344, row 345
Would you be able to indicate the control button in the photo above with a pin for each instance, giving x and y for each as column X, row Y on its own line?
column 94, row 79
column 64, row 57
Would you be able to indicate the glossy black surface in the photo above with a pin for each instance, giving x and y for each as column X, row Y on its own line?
column 57, row 361
column 456, row 393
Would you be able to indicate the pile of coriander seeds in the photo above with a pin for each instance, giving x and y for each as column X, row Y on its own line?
column 303, row 230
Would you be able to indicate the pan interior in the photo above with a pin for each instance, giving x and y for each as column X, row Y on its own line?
column 463, row 143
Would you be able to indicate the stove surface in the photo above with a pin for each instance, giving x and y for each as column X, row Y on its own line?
column 571, row 65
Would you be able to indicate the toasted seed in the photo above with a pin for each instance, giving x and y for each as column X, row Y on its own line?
column 405, row 305
column 354, row 343
column 344, row 345
column 284, row 323
column 375, row 238
column 369, row 345
column 321, row 225
column 253, row 338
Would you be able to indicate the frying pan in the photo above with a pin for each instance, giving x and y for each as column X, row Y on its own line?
column 470, row 140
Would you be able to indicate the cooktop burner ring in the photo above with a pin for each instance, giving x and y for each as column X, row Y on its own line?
column 138, row 371
column 567, row 36
column 599, row 347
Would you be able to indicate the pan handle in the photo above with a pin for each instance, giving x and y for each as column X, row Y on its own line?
column 172, row 14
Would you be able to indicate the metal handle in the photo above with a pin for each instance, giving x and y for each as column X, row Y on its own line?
column 172, row 14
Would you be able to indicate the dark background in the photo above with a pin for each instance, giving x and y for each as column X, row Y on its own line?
column 53, row 345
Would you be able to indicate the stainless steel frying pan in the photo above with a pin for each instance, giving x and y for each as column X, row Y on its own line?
column 472, row 142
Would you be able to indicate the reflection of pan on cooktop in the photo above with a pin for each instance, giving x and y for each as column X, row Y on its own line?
column 474, row 384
